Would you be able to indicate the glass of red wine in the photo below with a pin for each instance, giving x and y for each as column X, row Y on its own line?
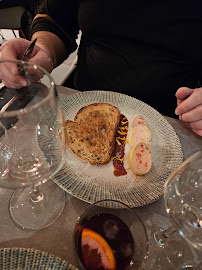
column 109, row 235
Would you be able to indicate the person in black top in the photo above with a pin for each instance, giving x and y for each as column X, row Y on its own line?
column 150, row 50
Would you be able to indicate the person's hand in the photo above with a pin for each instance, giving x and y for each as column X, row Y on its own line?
column 189, row 107
column 14, row 49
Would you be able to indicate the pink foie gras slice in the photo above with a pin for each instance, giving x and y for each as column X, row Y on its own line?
column 137, row 120
column 140, row 133
column 140, row 159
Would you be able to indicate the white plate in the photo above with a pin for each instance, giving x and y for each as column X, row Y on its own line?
column 92, row 183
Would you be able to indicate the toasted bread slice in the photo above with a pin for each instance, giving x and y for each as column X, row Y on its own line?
column 97, row 112
column 91, row 136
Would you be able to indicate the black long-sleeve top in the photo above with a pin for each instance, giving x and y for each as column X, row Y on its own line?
column 145, row 49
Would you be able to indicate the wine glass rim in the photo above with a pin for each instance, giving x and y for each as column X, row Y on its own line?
column 115, row 202
column 186, row 161
column 35, row 106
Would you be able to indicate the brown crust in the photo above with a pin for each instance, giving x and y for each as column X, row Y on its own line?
column 92, row 134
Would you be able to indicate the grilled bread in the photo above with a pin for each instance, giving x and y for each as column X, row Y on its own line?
column 92, row 134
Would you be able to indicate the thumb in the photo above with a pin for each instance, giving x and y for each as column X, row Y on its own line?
column 183, row 92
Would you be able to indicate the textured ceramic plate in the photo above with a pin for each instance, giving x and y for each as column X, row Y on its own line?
column 92, row 183
column 27, row 259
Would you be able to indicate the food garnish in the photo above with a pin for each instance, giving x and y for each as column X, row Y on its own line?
column 96, row 252
column 119, row 149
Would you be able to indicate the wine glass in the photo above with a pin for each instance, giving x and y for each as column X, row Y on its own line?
column 109, row 235
column 183, row 200
column 32, row 147
column 182, row 197
column 165, row 244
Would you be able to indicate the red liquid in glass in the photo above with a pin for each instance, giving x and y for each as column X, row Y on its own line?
column 117, row 235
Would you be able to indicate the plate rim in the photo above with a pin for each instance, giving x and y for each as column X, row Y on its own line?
column 24, row 252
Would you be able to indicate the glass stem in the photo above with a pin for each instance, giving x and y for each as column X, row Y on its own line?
column 36, row 195
column 162, row 235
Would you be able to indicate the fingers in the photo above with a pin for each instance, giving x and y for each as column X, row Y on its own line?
column 199, row 132
column 9, row 74
column 189, row 108
column 192, row 101
column 8, row 78
column 11, row 84
column 198, row 125
column 192, row 115
column 13, row 49
column 195, row 125
column 183, row 93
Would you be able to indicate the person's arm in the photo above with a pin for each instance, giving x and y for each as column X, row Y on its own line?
column 52, row 45
column 56, row 28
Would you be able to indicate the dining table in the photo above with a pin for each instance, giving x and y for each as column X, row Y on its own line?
column 57, row 239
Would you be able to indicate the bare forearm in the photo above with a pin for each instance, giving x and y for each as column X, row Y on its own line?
column 52, row 45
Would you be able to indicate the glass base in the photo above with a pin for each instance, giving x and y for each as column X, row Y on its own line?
column 36, row 215
column 191, row 266
column 162, row 254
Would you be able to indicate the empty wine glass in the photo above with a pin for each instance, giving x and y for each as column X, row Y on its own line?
column 165, row 244
column 182, row 197
column 109, row 235
column 32, row 148
column 183, row 200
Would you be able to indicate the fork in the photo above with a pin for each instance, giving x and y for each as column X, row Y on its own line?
column 27, row 53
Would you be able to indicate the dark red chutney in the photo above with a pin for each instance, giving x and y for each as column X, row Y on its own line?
column 119, row 149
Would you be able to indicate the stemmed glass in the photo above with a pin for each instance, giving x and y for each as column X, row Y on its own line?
column 182, row 197
column 109, row 235
column 32, row 148
column 165, row 244
column 183, row 200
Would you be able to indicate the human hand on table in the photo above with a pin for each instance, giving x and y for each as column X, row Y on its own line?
column 14, row 49
column 189, row 107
